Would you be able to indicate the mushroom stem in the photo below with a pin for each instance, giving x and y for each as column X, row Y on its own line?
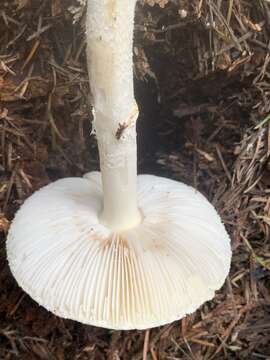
column 110, row 64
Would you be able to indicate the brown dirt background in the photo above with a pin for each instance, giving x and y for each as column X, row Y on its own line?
column 202, row 83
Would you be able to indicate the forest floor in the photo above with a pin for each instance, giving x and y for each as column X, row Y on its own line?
column 202, row 80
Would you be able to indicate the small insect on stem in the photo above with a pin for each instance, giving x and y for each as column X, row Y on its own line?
column 120, row 130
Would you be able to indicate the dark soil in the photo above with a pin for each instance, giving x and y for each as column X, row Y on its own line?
column 203, row 87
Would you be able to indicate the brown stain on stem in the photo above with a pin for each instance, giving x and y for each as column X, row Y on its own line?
column 111, row 7
column 120, row 130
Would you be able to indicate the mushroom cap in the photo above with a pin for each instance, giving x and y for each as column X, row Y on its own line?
column 147, row 276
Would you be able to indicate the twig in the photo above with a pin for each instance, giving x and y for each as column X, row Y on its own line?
column 146, row 344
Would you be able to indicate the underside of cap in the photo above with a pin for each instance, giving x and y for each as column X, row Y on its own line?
column 140, row 278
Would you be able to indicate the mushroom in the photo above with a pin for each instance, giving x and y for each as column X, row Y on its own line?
column 114, row 249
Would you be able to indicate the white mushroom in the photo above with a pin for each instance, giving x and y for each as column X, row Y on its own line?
column 116, row 250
